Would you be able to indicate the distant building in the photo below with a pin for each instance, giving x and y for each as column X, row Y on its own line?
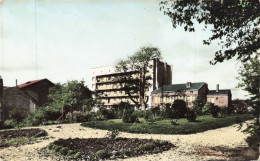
column 187, row 91
column 220, row 98
column 105, row 81
column 38, row 90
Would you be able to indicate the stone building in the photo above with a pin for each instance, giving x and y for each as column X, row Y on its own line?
column 15, row 98
column 187, row 91
column 109, row 86
column 38, row 90
column 220, row 98
column 24, row 97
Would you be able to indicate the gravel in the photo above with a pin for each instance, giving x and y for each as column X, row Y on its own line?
column 227, row 136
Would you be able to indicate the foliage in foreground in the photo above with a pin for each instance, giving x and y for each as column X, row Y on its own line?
column 203, row 123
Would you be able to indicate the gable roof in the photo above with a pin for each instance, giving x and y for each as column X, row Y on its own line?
column 223, row 91
column 179, row 87
column 32, row 82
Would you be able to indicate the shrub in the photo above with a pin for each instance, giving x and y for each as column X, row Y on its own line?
column 64, row 150
column 197, row 106
column 81, row 117
column 140, row 113
column 18, row 114
column 211, row 108
column 41, row 115
column 230, row 110
column 57, row 148
column 167, row 112
column 77, row 155
column 155, row 110
column 129, row 116
column 112, row 134
column 191, row 115
column 179, row 108
column 104, row 113
column 11, row 123
column 119, row 108
column 214, row 110
column 102, row 154
column 70, row 153
column 223, row 111
column 50, row 146
column 149, row 116
column 206, row 108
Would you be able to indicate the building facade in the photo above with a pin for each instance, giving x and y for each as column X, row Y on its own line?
column 110, row 88
column 187, row 92
column 221, row 98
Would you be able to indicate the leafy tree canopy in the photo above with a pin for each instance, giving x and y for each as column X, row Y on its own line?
column 249, row 76
column 72, row 94
column 235, row 24
column 139, row 62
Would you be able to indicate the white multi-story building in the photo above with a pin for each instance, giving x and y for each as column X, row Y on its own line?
column 105, row 81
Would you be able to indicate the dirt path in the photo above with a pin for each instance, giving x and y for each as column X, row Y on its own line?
column 228, row 136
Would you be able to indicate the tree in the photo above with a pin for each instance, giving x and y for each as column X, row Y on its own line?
column 196, row 106
column 250, row 80
column 140, row 64
column 235, row 23
column 69, row 96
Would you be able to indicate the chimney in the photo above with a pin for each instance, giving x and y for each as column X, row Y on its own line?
column 1, row 101
column 217, row 87
column 188, row 84
column 16, row 82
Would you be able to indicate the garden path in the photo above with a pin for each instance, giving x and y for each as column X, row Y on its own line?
column 227, row 136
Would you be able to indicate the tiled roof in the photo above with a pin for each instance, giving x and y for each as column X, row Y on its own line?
column 223, row 91
column 30, row 83
column 180, row 87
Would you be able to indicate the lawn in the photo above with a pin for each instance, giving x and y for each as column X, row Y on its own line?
column 203, row 123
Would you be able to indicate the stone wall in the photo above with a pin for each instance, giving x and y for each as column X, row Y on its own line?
column 15, row 98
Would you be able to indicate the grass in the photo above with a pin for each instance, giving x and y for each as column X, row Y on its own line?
column 203, row 123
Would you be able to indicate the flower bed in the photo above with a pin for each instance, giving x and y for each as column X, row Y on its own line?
column 19, row 137
column 105, row 148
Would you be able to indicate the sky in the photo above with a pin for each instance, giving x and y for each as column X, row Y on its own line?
column 62, row 39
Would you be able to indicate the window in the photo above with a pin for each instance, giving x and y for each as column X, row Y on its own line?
column 93, row 85
column 221, row 100
column 212, row 100
column 93, row 78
